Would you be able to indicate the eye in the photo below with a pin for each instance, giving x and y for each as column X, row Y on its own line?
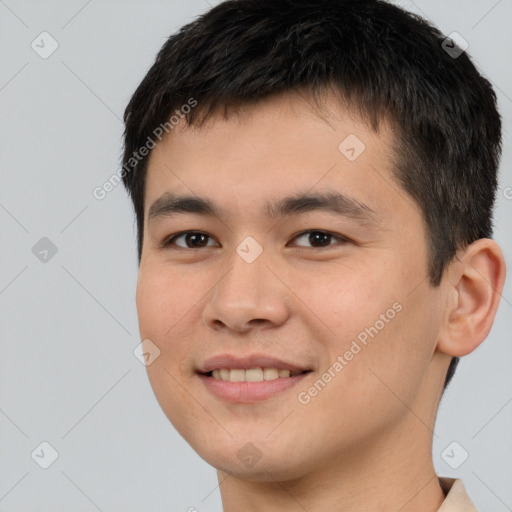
column 199, row 240
column 192, row 240
column 320, row 239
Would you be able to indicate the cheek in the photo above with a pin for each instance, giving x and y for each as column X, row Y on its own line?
column 162, row 300
column 380, row 329
column 163, row 303
column 344, row 299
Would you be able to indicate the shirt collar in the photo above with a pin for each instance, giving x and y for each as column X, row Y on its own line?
column 457, row 499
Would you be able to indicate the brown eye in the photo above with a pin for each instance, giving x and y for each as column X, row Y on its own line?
column 192, row 240
column 319, row 239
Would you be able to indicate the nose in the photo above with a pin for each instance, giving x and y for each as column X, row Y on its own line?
column 249, row 295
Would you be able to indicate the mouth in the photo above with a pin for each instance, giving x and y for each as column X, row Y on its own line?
column 252, row 374
column 249, row 379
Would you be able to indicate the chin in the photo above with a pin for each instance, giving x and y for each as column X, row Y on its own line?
column 257, row 461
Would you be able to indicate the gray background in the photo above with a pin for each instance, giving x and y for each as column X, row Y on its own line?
column 68, row 375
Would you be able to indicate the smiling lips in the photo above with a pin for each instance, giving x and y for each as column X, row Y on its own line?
column 251, row 375
column 249, row 379
column 248, row 363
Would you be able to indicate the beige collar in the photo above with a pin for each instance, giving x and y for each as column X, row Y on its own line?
column 457, row 499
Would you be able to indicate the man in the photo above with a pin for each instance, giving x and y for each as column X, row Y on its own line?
column 313, row 183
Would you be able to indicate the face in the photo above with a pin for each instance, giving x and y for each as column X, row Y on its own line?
column 289, row 299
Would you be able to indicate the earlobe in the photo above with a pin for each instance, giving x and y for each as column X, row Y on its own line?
column 475, row 282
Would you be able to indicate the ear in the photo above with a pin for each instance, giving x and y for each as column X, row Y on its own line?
column 474, row 283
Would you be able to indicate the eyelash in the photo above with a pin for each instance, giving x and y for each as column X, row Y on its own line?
column 168, row 242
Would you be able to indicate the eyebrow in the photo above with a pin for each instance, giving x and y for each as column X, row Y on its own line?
column 334, row 202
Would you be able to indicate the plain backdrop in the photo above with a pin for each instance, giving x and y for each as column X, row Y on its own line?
column 68, row 268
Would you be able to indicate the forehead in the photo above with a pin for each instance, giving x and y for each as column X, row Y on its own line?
column 275, row 147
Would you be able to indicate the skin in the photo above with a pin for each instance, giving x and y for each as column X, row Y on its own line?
column 364, row 441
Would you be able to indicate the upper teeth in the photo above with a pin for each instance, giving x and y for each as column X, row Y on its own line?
column 251, row 375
